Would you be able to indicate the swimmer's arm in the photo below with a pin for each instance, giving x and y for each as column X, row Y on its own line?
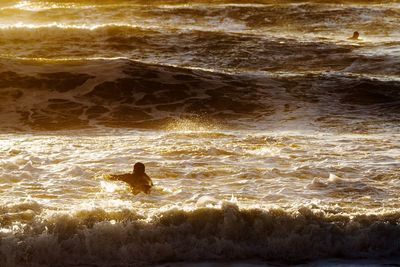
column 120, row 177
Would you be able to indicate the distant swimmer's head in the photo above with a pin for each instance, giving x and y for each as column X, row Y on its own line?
column 138, row 168
column 355, row 36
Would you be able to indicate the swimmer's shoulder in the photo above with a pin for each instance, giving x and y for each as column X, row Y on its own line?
column 142, row 179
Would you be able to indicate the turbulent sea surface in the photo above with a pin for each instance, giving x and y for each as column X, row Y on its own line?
column 270, row 136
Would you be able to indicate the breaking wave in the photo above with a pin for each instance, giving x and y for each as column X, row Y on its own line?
column 124, row 238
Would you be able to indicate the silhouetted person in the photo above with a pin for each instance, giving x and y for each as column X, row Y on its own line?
column 355, row 36
column 138, row 179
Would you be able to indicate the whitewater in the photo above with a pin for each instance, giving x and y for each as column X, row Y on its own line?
column 271, row 138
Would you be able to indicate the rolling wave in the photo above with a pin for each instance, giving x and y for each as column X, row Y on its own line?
column 314, row 19
column 210, row 49
column 300, row 17
column 123, row 93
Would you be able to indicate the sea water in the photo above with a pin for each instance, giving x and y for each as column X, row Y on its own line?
column 270, row 137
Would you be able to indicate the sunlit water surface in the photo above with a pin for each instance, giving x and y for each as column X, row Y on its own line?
column 67, row 171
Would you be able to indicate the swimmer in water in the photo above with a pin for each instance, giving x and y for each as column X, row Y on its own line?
column 138, row 180
column 355, row 36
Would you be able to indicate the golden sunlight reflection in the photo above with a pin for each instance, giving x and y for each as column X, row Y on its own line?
column 192, row 124
column 30, row 5
column 39, row 6
column 66, row 26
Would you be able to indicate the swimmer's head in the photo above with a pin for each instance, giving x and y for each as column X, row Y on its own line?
column 138, row 167
column 355, row 35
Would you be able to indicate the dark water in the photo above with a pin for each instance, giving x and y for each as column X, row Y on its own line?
column 130, row 64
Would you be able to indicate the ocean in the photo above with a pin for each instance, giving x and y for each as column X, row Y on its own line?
column 271, row 137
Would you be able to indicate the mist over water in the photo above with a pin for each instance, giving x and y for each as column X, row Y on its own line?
column 269, row 135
